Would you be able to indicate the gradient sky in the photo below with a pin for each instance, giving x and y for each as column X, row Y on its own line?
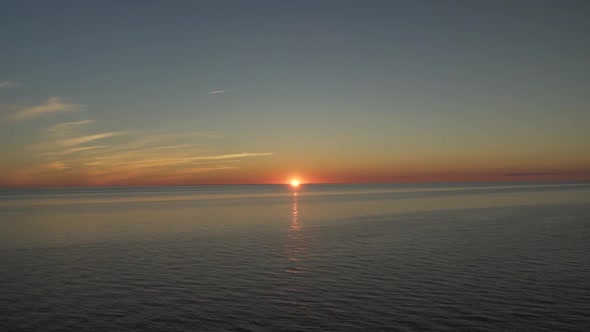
column 190, row 92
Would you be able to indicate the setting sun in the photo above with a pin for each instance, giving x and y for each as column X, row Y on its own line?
column 295, row 183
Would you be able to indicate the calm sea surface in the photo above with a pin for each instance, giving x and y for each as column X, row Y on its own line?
column 455, row 257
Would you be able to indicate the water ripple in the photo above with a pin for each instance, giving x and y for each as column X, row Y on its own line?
column 510, row 268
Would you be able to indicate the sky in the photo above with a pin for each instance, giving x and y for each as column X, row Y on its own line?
column 171, row 92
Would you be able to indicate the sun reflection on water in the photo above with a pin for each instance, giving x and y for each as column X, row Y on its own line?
column 295, row 246
column 295, row 226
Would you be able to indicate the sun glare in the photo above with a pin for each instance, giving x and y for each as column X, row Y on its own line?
column 294, row 183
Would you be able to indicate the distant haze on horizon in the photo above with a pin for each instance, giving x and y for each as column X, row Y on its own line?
column 216, row 92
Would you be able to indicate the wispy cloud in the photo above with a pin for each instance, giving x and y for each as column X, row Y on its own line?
column 51, row 105
column 55, row 166
column 143, row 159
column 144, row 145
column 88, row 138
column 63, row 128
column 72, row 150
column 172, row 147
column 233, row 156
column 55, row 147
column 204, row 169
column 9, row 84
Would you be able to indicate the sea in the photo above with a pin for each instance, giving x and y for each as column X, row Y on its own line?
column 374, row 257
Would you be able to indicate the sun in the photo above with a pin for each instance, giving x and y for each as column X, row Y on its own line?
column 294, row 183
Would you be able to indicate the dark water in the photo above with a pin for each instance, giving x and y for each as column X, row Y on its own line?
column 324, row 258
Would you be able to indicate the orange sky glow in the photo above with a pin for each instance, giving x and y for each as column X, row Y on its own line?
column 327, row 93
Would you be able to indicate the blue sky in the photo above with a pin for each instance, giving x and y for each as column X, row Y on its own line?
column 325, row 90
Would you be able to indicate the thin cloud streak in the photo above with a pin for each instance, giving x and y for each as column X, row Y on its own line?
column 147, row 148
column 62, row 128
column 69, row 151
column 172, row 147
column 59, row 166
column 144, row 161
column 218, row 91
column 204, row 169
column 138, row 167
column 72, row 151
column 235, row 155
column 9, row 84
column 88, row 138
column 119, row 175
column 152, row 160
column 51, row 105
column 71, row 142
column 157, row 141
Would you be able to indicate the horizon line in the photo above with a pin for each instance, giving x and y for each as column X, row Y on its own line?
column 563, row 181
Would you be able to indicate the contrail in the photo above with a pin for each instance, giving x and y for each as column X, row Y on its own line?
column 218, row 91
